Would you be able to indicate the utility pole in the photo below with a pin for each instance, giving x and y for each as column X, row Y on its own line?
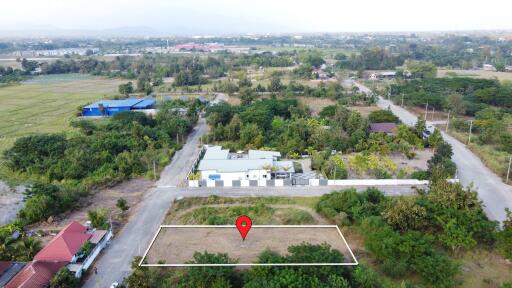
column 433, row 112
column 508, row 171
column 448, row 122
column 426, row 111
column 470, row 130
column 402, row 99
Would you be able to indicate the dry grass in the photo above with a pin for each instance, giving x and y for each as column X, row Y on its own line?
column 315, row 104
column 364, row 110
column 477, row 74
column 494, row 159
column 484, row 269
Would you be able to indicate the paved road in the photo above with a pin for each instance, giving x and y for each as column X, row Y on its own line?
column 131, row 241
column 495, row 194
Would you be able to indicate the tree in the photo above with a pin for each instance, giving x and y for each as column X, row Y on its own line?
column 64, row 279
column 455, row 103
column 126, row 89
column 28, row 65
column 28, row 248
column 421, row 69
column 247, row 95
column 98, row 218
column 122, row 205
column 420, row 127
column 435, row 139
column 405, row 214
column 505, row 237
column 382, row 116
column 275, row 84
column 205, row 276
column 441, row 165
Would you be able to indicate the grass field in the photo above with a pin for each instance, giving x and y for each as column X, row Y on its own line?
column 476, row 74
column 47, row 103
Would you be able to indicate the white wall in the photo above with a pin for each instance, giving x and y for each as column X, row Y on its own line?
column 230, row 176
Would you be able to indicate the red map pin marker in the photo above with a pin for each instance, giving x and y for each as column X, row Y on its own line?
column 243, row 224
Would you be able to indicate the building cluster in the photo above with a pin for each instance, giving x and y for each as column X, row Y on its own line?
column 57, row 52
column 75, row 247
column 220, row 164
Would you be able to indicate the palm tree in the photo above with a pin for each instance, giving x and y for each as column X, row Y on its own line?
column 27, row 248
column 6, row 246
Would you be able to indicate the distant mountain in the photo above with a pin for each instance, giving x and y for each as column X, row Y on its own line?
column 34, row 31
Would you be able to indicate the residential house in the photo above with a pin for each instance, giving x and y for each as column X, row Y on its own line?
column 64, row 250
column 220, row 164
column 36, row 274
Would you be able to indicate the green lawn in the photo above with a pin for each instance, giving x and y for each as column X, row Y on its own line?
column 47, row 103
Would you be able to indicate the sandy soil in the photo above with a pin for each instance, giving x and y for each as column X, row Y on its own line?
column 11, row 201
column 418, row 163
column 177, row 245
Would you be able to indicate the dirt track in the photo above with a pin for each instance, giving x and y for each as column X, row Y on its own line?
column 177, row 245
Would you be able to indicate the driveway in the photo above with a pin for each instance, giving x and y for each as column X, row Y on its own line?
column 495, row 194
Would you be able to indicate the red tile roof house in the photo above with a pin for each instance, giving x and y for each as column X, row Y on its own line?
column 62, row 250
column 388, row 128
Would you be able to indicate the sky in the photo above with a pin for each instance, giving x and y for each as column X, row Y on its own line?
column 218, row 17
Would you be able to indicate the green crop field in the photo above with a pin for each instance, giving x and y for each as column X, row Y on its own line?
column 47, row 103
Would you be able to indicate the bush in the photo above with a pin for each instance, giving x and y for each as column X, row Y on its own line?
column 420, row 175
column 383, row 116
column 98, row 218
column 356, row 205
column 504, row 237
column 64, row 279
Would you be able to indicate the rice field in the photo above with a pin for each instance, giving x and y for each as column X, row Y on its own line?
column 46, row 104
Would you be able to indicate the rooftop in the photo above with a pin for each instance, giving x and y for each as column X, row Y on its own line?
column 8, row 269
column 36, row 274
column 382, row 127
column 216, row 153
column 234, row 165
column 259, row 154
column 116, row 103
column 65, row 245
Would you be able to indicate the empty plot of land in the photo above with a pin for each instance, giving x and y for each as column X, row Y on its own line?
column 175, row 245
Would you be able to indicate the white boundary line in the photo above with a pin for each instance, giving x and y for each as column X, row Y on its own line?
column 141, row 263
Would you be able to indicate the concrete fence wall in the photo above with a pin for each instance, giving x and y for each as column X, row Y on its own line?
column 311, row 182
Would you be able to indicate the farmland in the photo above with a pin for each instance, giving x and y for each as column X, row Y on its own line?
column 47, row 103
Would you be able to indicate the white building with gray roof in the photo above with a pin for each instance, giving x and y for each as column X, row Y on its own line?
column 219, row 164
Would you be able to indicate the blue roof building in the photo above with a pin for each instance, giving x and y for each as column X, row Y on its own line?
column 112, row 107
